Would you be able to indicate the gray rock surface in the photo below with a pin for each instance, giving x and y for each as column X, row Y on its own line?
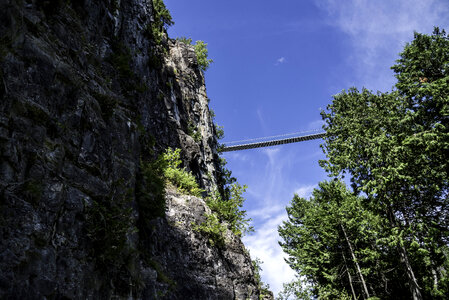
column 85, row 96
column 213, row 273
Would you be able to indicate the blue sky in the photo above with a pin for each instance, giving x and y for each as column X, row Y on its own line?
column 276, row 65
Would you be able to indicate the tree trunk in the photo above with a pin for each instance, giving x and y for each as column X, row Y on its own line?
column 435, row 278
column 359, row 271
column 412, row 282
column 350, row 278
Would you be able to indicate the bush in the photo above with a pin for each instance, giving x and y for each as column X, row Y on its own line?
column 162, row 20
column 184, row 181
column 219, row 131
column 194, row 132
column 152, row 181
column 201, row 55
column 200, row 51
column 264, row 288
column 213, row 229
column 225, row 211
column 230, row 210
column 183, row 39
column 162, row 15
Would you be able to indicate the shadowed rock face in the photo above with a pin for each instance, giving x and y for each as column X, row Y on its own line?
column 179, row 248
column 85, row 96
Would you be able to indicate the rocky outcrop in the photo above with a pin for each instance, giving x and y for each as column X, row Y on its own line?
column 87, row 97
column 195, row 129
column 213, row 272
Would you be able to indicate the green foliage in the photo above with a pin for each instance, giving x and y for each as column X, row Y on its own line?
column 156, row 33
column 161, row 276
column 422, row 71
column 224, row 180
column 263, row 287
column 226, row 203
column 108, row 226
column 296, row 289
column 213, row 229
column 183, row 39
column 200, row 51
column 162, row 20
column 212, row 113
column 395, row 148
column 194, row 132
column 202, row 55
column 152, row 181
column 184, row 181
column 155, row 61
column 225, row 214
column 162, row 16
column 315, row 239
column 230, row 211
column 219, row 134
column 219, row 131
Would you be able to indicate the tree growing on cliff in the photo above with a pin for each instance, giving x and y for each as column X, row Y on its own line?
column 200, row 51
column 202, row 55
column 180, row 178
column 162, row 16
column 162, row 20
column 230, row 210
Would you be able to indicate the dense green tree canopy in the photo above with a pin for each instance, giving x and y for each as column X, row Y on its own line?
column 391, row 231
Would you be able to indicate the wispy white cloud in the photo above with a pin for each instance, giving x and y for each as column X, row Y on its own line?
column 266, row 212
column 264, row 245
column 239, row 156
column 305, row 191
column 317, row 124
column 378, row 30
column 272, row 175
column 261, row 118
column 280, row 60
column 273, row 190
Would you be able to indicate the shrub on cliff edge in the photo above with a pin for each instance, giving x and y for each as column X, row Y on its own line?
column 183, row 180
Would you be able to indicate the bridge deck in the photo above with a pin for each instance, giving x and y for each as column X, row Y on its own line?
column 274, row 142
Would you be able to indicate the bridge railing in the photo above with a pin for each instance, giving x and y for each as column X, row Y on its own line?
column 228, row 147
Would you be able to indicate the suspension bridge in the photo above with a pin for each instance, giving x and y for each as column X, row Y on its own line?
column 273, row 140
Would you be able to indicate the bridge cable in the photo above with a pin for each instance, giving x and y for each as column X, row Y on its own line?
column 301, row 138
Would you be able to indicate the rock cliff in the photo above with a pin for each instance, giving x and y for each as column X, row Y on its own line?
column 89, row 96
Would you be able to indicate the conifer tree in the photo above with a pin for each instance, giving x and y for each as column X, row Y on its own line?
column 392, row 241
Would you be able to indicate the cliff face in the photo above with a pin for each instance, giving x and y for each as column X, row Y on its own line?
column 87, row 98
